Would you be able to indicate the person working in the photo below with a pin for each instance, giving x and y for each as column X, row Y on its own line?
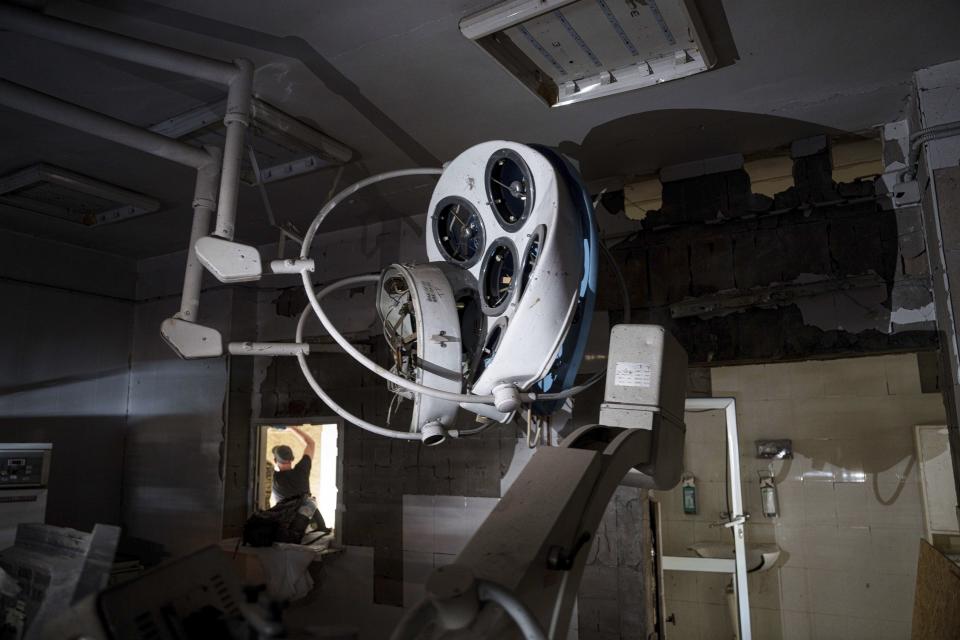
column 289, row 480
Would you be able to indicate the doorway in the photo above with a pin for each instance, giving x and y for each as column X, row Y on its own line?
column 325, row 472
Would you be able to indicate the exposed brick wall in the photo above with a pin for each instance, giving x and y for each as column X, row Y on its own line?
column 377, row 471
column 735, row 279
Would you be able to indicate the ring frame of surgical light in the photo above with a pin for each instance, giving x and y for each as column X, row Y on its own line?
column 505, row 395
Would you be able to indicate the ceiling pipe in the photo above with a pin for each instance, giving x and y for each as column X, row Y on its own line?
column 237, row 76
column 39, row 25
column 186, row 339
column 21, row 98
column 181, row 332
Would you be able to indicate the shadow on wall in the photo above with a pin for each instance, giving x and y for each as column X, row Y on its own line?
column 642, row 143
column 86, row 467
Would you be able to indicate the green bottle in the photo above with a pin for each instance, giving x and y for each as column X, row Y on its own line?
column 689, row 493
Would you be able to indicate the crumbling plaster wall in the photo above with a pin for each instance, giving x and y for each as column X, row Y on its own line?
column 937, row 94
column 821, row 270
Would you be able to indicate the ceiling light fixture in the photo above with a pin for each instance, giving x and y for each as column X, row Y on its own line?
column 63, row 194
column 567, row 51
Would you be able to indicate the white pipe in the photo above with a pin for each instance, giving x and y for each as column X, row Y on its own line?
column 236, row 121
column 115, row 45
column 737, row 519
column 736, row 505
column 302, row 360
column 349, row 191
column 204, row 203
column 291, row 266
column 268, row 348
column 55, row 110
column 238, row 76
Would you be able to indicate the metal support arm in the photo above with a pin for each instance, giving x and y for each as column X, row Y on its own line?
column 187, row 338
column 534, row 543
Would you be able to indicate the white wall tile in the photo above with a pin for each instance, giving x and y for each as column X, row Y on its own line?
column 894, row 550
column 680, row 585
column 764, row 589
column 712, row 587
column 819, row 503
column 682, row 620
column 828, row 593
column 766, row 623
column 855, row 377
column 828, row 627
column 794, row 595
column 795, row 625
column 903, row 374
column 851, row 503
column 877, row 629
column 715, row 621
column 848, row 548
column 806, row 380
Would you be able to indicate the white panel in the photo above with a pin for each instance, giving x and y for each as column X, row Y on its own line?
column 936, row 473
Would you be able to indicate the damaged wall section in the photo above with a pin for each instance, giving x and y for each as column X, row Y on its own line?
column 819, row 270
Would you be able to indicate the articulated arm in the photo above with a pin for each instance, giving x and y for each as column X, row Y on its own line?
column 534, row 544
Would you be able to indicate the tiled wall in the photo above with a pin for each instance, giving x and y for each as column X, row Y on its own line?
column 850, row 506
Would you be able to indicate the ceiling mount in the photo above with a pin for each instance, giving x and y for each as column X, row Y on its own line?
column 56, row 192
column 285, row 146
column 568, row 51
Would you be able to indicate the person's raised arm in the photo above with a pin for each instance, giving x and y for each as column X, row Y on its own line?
column 309, row 444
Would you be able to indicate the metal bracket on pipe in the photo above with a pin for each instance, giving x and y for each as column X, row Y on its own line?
column 268, row 349
column 190, row 340
column 291, row 266
column 229, row 261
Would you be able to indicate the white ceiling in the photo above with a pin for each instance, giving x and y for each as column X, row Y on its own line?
column 396, row 81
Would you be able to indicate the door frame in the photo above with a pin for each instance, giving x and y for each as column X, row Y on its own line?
column 254, row 462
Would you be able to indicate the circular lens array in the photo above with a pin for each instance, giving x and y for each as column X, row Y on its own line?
column 510, row 188
column 497, row 276
column 458, row 230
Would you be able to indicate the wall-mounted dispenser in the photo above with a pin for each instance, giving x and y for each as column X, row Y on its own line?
column 774, row 449
column 689, row 493
column 768, row 494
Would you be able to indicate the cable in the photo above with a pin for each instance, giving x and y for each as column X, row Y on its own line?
column 414, row 620
column 624, row 290
column 343, row 413
column 513, row 606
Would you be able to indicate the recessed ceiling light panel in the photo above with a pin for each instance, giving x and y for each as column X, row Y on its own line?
column 567, row 51
column 63, row 194
column 285, row 146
